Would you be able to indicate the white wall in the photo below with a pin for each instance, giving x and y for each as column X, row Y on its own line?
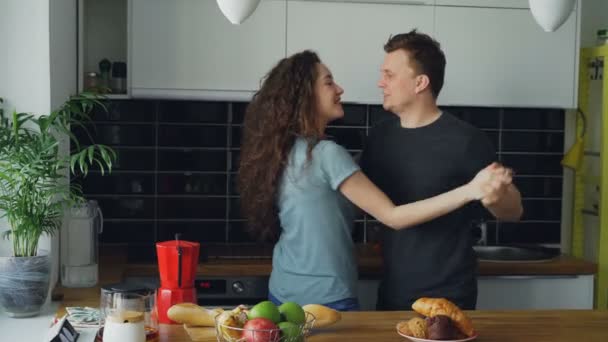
column 25, row 80
column 37, row 67
column 594, row 17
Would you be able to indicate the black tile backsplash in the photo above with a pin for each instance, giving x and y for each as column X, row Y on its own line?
column 209, row 232
column 177, row 163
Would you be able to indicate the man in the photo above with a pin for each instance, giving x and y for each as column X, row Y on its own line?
column 420, row 153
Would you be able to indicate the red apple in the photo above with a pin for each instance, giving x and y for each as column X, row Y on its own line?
column 261, row 330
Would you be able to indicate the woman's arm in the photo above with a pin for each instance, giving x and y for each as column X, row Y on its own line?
column 366, row 195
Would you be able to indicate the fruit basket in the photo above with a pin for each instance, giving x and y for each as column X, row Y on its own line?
column 256, row 330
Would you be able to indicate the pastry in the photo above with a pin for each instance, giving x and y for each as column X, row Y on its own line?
column 440, row 327
column 431, row 307
column 417, row 327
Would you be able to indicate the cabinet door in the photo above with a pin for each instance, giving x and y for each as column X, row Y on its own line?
column 535, row 292
column 501, row 57
column 188, row 47
column 349, row 38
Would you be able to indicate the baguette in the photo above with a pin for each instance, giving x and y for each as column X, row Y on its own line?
column 432, row 307
column 324, row 316
column 193, row 315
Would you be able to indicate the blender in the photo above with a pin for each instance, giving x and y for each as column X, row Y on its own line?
column 177, row 261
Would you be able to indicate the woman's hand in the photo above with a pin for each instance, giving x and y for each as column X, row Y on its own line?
column 490, row 181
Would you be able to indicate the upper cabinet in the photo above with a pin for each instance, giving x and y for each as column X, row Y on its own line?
column 496, row 53
column 349, row 38
column 188, row 49
column 501, row 57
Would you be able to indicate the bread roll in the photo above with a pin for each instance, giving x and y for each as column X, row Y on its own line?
column 431, row 307
column 324, row 316
column 417, row 327
column 192, row 314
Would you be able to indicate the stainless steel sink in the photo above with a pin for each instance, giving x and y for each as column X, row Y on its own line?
column 515, row 254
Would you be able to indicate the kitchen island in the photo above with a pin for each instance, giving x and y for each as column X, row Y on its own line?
column 494, row 326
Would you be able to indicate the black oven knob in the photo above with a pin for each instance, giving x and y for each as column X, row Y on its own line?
column 238, row 287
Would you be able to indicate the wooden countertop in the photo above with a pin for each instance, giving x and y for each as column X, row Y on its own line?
column 494, row 326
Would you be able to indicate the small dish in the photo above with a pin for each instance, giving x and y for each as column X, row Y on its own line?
column 417, row 339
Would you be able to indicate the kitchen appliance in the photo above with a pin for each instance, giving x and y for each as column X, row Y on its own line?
column 177, row 262
column 79, row 245
column 128, row 313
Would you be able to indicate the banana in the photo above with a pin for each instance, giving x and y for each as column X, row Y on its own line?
column 324, row 316
column 192, row 314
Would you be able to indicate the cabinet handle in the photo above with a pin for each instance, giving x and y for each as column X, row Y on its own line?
column 521, row 277
column 381, row 2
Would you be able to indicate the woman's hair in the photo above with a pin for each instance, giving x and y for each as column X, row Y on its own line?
column 281, row 111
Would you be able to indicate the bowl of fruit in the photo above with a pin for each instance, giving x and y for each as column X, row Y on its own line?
column 264, row 322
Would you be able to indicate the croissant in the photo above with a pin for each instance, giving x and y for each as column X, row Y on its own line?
column 431, row 307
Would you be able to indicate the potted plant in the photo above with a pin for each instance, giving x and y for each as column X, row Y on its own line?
column 34, row 193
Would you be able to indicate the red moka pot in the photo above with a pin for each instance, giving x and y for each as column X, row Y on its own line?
column 177, row 262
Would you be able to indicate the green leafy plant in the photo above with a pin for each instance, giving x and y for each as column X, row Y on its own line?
column 33, row 168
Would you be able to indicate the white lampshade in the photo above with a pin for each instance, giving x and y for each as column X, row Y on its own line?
column 237, row 10
column 551, row 14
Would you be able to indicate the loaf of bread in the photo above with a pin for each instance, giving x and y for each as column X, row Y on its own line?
column 193, row 315
column 431, row 307
column 324, row 316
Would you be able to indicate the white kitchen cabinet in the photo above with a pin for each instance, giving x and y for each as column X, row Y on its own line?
column 349, row 38
column 188, row 49
column 535, row 292
column 514, row 292
column 500, row 57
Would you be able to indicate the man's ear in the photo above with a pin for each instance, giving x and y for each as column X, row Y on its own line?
column 422, row 82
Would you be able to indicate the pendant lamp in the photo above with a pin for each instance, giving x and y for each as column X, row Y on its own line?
column 551, row 14
column 236, row 11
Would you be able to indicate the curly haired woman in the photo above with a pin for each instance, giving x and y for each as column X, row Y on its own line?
column 296, row 185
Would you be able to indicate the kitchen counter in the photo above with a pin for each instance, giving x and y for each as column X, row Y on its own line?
column 496, row 326
column 114, row 266
column 370, row 266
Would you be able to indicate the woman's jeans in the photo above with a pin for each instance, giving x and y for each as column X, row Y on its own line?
column 348, row 304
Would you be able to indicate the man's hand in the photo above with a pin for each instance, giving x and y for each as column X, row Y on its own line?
column 501, row 197
column 497, row 187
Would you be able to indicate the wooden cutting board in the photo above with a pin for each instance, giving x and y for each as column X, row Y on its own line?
column 202, row 334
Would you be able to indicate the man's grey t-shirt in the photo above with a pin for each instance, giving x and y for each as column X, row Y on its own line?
column 314, row 260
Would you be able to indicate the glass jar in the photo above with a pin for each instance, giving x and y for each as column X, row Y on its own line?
column 128, row 310
column 91, row 81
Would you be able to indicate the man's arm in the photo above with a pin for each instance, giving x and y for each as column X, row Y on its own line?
column 504, row 201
